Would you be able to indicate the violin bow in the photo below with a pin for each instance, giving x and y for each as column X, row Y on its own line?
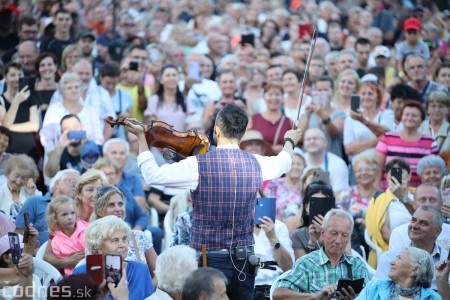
column 305, row 75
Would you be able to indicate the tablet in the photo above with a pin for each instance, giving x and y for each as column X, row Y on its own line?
column 320, row 206
column 265, row 207
column 357, row 285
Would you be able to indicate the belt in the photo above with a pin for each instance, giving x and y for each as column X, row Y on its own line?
column 270, row 265
column 249, row 249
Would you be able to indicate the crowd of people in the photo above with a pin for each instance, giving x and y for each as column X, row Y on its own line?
column 372, row 137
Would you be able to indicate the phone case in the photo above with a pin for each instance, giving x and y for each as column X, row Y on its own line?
column 78, row 135
column 94, row 267
column 14, row 244
column 304, row 29
column 321, row 176
column 397, row 173
column 357, row 284
column 320, row 206
column 248, row 39
column 113, row 268
column 355, row 102
column 265, row 207
column 194, row 70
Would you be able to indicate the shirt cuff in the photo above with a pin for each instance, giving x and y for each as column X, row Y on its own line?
column 144, row 156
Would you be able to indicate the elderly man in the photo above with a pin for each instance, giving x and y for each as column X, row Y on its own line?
column 205, row 283
column 315, row 275
column 425, row 194
column 27, row 52
column 173, row 266
column 348, row 59
column 423, row 231
column 431, row 169
column 317, row 156
column 63, row 183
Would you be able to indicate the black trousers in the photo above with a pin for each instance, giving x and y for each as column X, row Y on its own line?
column 240, row 284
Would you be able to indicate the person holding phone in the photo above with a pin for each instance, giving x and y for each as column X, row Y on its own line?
column 390, row 209
column 317, row 273
column 20, row 113
column 111, row 235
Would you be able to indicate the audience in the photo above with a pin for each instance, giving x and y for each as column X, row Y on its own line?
column 205, row 283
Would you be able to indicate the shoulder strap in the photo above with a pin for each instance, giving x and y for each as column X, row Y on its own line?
column 349, row 271
column 136, row 249
column 277, row 133
column 377, row 193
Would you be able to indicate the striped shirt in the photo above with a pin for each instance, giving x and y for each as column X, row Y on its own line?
column 314, row 271
column 392, row 146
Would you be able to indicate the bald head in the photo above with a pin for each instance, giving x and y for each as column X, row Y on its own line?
column 84, row 69
column 28, row 52
column 427, row 194
column 315, row 141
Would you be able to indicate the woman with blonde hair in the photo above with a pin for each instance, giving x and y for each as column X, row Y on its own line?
column 87, row 188
column 70, row 56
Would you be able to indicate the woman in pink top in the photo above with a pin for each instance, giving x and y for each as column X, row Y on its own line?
column 408, row 144
column 65, row 227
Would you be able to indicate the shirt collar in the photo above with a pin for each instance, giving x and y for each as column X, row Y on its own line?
column 323, row 257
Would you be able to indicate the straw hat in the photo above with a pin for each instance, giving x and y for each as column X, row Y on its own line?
column 255, row 135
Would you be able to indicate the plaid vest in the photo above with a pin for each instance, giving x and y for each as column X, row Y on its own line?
column 228, row 182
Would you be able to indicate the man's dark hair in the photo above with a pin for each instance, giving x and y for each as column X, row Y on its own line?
column 12, row 65
column 361, row 41
column 401, row 163
column 272, row 66
column 69, row 116
column 233, row 121
column 27, row 20
column 201, row 283
column 110, row 69
column 404, row 91
column 73, row 284
column 295, row 72
column 5, row 131
column 62, row 11
column 327, row 78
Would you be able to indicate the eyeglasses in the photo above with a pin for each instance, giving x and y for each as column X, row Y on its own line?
column 364, row 170
column 106, row 189
column 314, row 138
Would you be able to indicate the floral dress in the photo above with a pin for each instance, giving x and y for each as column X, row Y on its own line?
column 351, row 201
column 144, row 244
column 288, row 200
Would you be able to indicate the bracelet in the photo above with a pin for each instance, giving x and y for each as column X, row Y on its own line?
column 289, row 140
column 326, row 121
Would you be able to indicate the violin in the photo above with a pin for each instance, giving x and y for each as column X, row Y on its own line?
column 175, row 144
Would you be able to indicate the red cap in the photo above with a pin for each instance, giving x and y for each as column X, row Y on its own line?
column 412, row 23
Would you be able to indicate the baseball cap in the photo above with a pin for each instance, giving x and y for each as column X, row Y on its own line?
column 84, row 34
column 381, row 50
column 89, row 153
column 4, row 243
column 370, row 78
column 412, row 23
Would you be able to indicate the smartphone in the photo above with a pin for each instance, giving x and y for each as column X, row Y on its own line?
column 26, row 232
column 357, row 285
column 304, row 29
column 248, row 39
column 113, row 268
column 14, row 245
column 134, row 66
column 397, row 173
column 320, row 206
column 321, row 176
column 355, row 100
column 78, row 135
column 194, row 70
column 23, row 82
column 94, row 267
column 265, row 207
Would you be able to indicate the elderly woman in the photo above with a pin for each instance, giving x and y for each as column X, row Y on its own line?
column 272, row 123
column 21, row 173
column 409, row 278
column 368, row 123
column 70, row 89
column 445, row 190
column 390, row 209
column 111, row 235
column 431, row 169
column 173, row 266
column 110, row 201
column 87, row 189
column 409, row 143
column 287, row 190
column 437, row 126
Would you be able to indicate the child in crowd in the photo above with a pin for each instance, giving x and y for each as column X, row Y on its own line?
column 66, row 228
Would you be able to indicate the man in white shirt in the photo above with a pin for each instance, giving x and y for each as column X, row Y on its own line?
column 317, row 156
column 425, row 194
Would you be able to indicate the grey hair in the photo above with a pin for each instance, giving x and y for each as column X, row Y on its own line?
column 109, row 142
column 438, row 194
column 444, row 181
column 338, row 213
column 102, row 229
column 430, row 161
column 324, row 4
column 331, row 55
column 372, row 30
column 66, row 78
column 415, row 55
column 423, row 261
column 173, row 266
column 348, row 51
column 61, row 175
column 438, row 219
column 201, row 282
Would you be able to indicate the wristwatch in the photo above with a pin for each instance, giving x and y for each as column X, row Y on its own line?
column 276, row 245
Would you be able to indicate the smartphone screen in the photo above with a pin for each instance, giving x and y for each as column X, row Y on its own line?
column 194, row 70
column 134, row 66
column 26, row 232
column 248, row 39
column 355, row 100
column 397, row 174
column 14, row 244
column 23, row 82
column 113, row 268
column 94, row 267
